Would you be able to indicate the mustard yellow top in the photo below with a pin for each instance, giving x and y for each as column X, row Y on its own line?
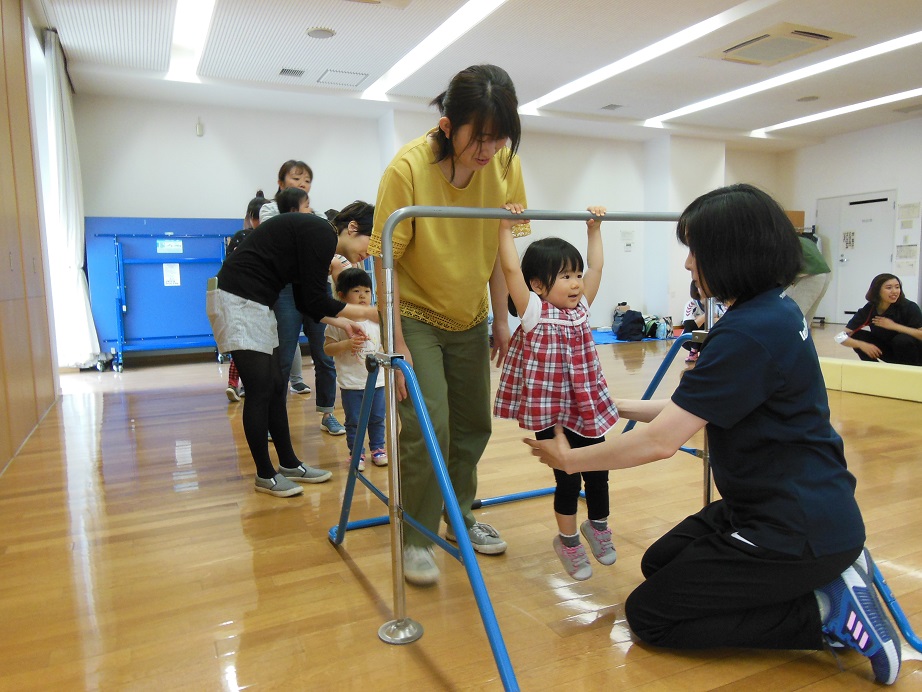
column 443, row 265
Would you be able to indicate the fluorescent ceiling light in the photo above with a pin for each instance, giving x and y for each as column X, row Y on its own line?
column 468, row 16
column 190, row 29
column 667, row 45
column 883, row 100
column 809, row 71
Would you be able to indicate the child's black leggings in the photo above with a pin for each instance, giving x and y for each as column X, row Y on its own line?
column 566, row 496
column 265, row 409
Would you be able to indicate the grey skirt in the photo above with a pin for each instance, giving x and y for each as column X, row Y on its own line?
column 239, row 324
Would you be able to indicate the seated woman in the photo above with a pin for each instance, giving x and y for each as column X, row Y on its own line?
column 894, row 333
column 779, row 561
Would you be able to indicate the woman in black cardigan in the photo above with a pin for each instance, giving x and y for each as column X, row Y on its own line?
column 290, row 248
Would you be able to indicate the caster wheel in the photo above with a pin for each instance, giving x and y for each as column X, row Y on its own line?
column 101, row 366
column 117, row 367
column 221, row 358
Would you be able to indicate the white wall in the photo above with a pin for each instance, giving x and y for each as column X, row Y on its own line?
column 564, row 173
column 879, row 158
column 143, row 158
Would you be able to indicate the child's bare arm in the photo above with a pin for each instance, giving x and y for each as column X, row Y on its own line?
column 592, row 277
column 509, row 260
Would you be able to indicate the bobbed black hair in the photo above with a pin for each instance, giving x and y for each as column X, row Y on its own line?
column 873, row 294
column 743, row 242
column 484, row 97
column 544, row 259
column 350, row 278
column 289, row 199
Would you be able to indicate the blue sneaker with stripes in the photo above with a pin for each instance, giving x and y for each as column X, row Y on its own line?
column 857, row 619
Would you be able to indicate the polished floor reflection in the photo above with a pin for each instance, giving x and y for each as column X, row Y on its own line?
column 134, row 554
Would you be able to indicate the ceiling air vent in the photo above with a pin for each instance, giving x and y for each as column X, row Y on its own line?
column 288, row 72
column 340, row 78
column 777, row 44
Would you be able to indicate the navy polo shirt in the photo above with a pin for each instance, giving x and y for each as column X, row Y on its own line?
column 777, row 462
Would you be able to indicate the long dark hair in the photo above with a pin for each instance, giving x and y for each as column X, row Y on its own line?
column 544, row 259
column 873, row 294
column 743, row 242
column 484, row 97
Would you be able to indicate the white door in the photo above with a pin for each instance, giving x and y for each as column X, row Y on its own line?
column 858, row 230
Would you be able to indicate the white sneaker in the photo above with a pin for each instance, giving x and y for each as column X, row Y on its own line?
column 419, row 566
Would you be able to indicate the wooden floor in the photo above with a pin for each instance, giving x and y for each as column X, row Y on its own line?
column 134, row 555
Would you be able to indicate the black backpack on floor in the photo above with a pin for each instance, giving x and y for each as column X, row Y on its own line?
column 631, row 328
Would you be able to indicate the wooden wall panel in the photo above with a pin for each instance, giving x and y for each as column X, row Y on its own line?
column 17, row 364
column 26, row 375
column 11, row 283
column 42, row 363
column 22, row 152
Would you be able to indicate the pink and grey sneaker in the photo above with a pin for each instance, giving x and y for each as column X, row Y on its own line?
column 574, row 559
column 599, row 543
column 379, row 457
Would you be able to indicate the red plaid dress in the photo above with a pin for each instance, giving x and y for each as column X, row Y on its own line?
column 552, row 373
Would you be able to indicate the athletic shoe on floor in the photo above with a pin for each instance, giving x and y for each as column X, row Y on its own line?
column 329, row 424
column 232, row 393
column 574, row 559
column 361, row 462
column 305, row 474
column 419, row 566
column 278, row 485
column 299, row 388
column 858, row 620
column 599, row 543
column 379, row 457
column 692, row 357
column 484, row 538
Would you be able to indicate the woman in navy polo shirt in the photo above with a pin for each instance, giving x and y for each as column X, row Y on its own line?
column 778, row 562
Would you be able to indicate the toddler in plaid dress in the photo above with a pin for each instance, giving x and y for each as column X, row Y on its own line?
column 552, row 376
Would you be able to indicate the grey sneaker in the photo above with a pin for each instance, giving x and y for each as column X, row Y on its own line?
column 599, row 543
column 233, row 393
column 419, row 566
column 329, row 424
column 484, row 538
column 278, row 485
column 305, row 474
column 574, row 559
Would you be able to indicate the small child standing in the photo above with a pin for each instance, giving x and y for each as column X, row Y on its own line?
column 552, row 376
column 353, row 286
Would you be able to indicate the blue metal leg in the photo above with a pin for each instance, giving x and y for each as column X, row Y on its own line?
column 902, row 622
column 468, row 558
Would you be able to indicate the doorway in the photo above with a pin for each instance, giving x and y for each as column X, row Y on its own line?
column 858, row 230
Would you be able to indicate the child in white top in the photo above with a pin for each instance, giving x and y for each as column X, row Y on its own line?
column 353, row 286
column 552, row 376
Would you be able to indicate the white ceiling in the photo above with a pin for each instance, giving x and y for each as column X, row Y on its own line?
column 122, row 47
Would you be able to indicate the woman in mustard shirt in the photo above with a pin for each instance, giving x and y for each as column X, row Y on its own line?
column 442, row 269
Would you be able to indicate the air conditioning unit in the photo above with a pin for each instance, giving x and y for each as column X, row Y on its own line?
column 777, row 44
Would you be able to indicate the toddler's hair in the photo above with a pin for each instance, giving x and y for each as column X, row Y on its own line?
column 546, row 258
column 289, row 199
column 350, row 278
column 255, row 205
